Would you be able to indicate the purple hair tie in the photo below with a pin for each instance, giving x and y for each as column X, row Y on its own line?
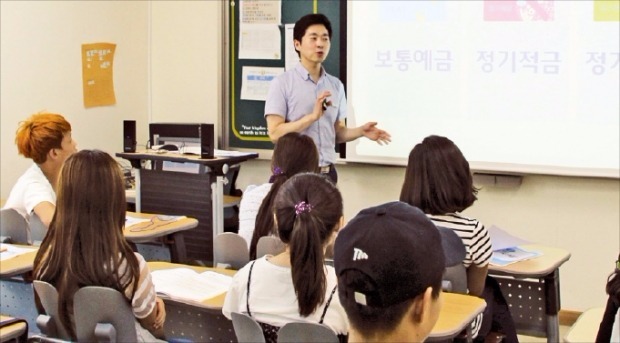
column 277, row 171
column 302, row 207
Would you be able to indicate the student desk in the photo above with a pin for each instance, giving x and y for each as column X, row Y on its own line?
column 586, row 327
column 18, row 265
column 457, row 312
column 532, row 289
column 168, row 231
column 12, row 331
column 184, row 190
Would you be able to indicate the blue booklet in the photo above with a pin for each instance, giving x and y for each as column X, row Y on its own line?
column 512, row 255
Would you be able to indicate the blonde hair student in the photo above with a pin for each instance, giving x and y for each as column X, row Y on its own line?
column 46, row 139
column 296, row 285
column 85, row 245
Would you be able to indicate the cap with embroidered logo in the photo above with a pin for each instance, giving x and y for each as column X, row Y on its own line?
column 388, row 254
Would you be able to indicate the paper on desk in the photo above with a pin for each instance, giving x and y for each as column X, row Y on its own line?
column 10, row 251
column 230, row 153
column 187, row 284
column 129, row 221
column 501, row 239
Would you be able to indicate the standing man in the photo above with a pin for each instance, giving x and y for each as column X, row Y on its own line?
column 308, row 100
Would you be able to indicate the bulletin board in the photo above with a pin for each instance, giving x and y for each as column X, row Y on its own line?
column 245, row 124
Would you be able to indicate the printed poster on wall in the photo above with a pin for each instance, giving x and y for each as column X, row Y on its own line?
column 97, row 74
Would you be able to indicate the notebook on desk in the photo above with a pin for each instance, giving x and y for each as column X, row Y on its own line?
column 507, row 248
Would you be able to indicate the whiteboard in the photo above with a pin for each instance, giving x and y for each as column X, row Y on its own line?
column 520, row 86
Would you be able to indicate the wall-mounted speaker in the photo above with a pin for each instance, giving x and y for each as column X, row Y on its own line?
column 129, row 136
column 207, row 141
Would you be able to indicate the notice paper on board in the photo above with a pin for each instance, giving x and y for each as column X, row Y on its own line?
column 255, row 82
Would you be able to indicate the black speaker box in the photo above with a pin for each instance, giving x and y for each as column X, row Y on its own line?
column 129, row 136
column 207, row 141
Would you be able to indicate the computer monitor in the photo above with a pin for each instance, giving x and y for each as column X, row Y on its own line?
column 180, row 134
column 184, row 135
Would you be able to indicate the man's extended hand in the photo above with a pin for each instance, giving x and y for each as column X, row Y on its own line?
column 372, row 132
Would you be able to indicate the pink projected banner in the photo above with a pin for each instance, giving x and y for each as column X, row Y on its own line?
column 519, row 10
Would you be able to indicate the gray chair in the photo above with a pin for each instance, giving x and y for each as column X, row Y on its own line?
column 247, row 329
column 38, row 230
column 13, row 227
column 103, row 315
column 455, row 276
column 49, row 324
column 306, row 332
column 230, row 251
column 269, row 245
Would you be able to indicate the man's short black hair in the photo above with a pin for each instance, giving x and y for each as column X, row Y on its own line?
column 308, row 20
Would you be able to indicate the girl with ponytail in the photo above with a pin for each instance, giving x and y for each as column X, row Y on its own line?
column 295, row 285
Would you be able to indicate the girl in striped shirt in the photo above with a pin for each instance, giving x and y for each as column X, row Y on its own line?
column 439, row 182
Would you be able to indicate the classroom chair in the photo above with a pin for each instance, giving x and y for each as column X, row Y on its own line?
column 455, row 276
column 247, row 329
column 37, row 230
column 230, row 250
column 269, row 245
column 49, row 324
column 306, row 332
column 103, row 314
column 13, row 227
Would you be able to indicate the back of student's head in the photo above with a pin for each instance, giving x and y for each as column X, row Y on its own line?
column 293, row 153
column 308, row 209
column 438, row 179
column 386, row 259
column 85, row 243
column 39, row 134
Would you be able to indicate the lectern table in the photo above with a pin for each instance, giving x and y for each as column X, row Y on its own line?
column 192, row 187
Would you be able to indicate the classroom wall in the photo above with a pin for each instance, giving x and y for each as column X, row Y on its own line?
column 179, row 81
column 42, row 70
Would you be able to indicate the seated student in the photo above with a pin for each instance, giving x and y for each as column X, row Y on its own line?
column 608, row 331
column 389, row 262
column 296, row 285
column 439, row 182
column 293, row 153
column 87, row 231
column 46, row 139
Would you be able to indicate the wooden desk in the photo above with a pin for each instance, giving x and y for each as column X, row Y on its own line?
column 532, row 289
column 199, row 195
column 12, row 331
column 18, row 265
column 457, row 312
column 169, row 232
column 586, row 327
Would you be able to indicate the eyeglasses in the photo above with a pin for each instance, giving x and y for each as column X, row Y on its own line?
column 154, row 223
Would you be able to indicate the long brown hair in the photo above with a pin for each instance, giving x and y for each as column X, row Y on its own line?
column 308, row 209
column 39, row 134
column 85, row 245
column 294, row 153
column 438, row 179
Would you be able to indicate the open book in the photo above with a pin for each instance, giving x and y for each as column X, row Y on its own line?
column 185, row 284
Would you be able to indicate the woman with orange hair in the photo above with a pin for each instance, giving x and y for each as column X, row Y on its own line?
column 46, row 139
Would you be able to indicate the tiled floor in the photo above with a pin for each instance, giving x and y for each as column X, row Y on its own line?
column 531, row 339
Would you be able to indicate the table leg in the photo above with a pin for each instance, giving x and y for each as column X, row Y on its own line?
column 217, row 197
column 176, row 243
column 552, row 294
